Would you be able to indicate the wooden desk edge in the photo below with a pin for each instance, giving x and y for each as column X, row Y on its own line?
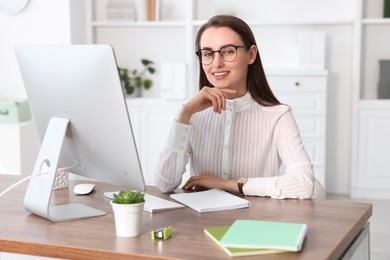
column 354, row 235
column 66, row 251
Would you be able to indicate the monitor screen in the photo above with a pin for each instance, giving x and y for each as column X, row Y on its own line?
column 78, row 90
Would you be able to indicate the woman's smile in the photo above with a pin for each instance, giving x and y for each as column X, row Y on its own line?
column 220, row 74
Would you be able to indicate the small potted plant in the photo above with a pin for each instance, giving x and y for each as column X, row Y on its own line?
column 134, row 80
column 128, row 206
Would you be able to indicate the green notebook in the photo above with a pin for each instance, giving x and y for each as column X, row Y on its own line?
column 216, row 233
column 265, row 235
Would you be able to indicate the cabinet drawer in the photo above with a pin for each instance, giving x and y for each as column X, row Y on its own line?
column 305, row 95
column 297, row 84
column 9, row 146
column 9, row 133
column 311, row 126
column 10, row 163
column 303, row 103
column 9, row 138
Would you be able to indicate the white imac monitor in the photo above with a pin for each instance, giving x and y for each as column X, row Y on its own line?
column 80, row 112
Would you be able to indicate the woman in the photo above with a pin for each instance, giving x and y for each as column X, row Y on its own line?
column 234, row 131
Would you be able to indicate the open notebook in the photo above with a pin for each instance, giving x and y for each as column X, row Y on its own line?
column 211, row 200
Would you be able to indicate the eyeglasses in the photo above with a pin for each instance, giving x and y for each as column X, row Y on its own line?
column 228, row 53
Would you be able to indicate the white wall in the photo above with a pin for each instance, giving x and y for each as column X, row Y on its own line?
column 42, row 21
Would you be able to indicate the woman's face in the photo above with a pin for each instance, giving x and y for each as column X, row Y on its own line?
column 224, row 74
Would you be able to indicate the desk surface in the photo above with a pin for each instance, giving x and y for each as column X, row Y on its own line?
column 332, row 226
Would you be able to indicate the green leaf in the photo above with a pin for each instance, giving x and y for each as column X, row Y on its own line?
column 129, row 88
column 146, row 62
column 123, row 73
column 128, row 197
column 151, row 70
column 138, row 82
column 129, row 91
column 148, row 83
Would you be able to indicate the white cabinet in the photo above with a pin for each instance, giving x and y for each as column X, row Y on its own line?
column 372, row 179
column 370, row 146
column 151, row 121
column 305, row 93
column 18, row 148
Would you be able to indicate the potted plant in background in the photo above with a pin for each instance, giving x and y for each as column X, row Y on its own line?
column 134, row 80
column 128, row 206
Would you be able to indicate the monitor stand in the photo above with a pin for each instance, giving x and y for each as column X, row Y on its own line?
column 38, row 195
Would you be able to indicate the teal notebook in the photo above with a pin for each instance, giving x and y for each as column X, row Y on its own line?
column 217, row 232
column 265, row 235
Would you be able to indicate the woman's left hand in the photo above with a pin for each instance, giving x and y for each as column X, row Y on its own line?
column 209, row 181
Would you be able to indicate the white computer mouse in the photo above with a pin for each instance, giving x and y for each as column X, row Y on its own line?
column 84, row 188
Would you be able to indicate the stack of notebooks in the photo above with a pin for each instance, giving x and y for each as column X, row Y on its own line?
column 255, row 237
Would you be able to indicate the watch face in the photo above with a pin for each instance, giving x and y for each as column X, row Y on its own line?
column 12, row 6
column 242, row 180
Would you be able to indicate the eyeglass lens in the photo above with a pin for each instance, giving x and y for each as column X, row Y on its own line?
column 227, row 53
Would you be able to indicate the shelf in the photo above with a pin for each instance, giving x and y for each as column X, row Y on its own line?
column 201, row 22
column 291, row 22
column 301, row 22
column 375, row 103
column 385, row 21
column 139, row 24
column 295, row 72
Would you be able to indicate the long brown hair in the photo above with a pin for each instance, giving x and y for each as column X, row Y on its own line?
column 256, row 80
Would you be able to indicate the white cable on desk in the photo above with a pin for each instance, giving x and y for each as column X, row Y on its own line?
column 21, row 181
column 31, row 176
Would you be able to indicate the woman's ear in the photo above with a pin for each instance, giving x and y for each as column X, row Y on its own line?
column 252, row 54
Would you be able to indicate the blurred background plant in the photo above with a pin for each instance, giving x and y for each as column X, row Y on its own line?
column 137, row 79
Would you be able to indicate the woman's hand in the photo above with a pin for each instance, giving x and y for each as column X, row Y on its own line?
column 208, row 181
column 205, row 98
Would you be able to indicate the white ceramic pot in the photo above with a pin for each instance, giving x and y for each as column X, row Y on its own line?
column 128, row 219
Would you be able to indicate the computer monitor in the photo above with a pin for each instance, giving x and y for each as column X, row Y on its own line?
column 80, row 112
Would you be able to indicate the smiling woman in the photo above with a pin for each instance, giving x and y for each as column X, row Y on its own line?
column 234, row 131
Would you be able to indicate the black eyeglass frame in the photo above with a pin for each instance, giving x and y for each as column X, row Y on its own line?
column 219, row 51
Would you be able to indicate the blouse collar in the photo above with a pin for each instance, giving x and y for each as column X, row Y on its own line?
column 241, row 103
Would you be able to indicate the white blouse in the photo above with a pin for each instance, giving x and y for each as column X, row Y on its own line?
column 247, row 140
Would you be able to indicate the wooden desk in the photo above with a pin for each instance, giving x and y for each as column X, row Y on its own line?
column 333, row 226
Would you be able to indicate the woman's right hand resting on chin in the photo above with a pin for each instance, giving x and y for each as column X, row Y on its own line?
column 205, row 98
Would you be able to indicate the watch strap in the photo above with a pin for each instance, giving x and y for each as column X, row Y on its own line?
column 240, row 185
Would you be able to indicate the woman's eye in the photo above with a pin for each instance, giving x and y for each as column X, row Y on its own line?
column 207, row 54
column 228, row 52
